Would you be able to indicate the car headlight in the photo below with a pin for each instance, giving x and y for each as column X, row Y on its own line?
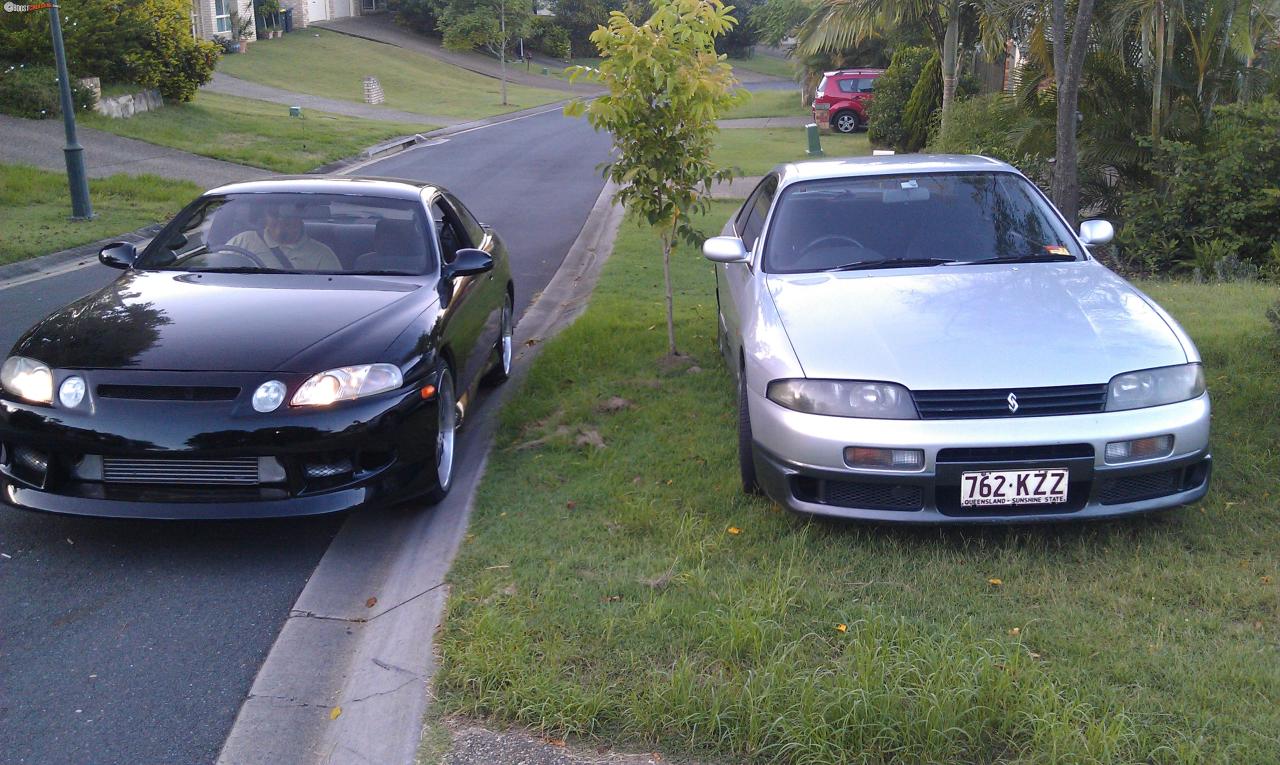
column 844, row 398
column 1155, row 387
column 346, row 383
column 28, row 379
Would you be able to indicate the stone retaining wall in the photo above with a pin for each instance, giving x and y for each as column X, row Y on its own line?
column 123, row 107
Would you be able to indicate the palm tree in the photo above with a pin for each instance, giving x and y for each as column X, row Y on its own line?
column 1154, row 22
column 837, row 25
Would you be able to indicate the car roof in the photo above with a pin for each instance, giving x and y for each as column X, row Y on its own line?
column 835, row 72
column 393, row 188
column 896, row 164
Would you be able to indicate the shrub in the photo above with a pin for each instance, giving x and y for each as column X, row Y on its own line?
column 545, row 36
column 925, row 99
column 1210, row 201
column 143, row 41
column 421, row 15
column 32, row 91
column 893, row 89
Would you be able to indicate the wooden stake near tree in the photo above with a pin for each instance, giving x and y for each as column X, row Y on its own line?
column 667, row 86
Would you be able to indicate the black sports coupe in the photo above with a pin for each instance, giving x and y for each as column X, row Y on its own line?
column 283, row 347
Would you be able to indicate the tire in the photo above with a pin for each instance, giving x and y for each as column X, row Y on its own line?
column 846, row 122
column 501, row 371
column 746, row 445
column 446, row 436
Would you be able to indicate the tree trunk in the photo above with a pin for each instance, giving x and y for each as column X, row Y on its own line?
column 1157, row 75
column 950, row 54
column 668, row 238
column 1068, row 68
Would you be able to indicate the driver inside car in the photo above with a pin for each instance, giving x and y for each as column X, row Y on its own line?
column 283, row 242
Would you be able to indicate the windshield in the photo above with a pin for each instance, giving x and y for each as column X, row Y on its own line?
column 913, row 220
column 296, row 233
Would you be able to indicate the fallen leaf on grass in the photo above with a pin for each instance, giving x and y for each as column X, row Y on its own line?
column 555, row 741
column 559, row 432
column 614, row 404
column 1016, row 631
column 570, row 505
column 333, row 713
column 1266, row 580
column 994, row 582
column 612, row 598
column 734, row 530
column 694, row 370
column 842, row 628
column 371, row 602
column 590, row 438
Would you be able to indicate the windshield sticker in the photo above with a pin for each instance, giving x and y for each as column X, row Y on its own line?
column 1056, row 249
column 910, row 185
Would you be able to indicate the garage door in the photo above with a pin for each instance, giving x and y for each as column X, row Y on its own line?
column 342, row 8
column 317, row 10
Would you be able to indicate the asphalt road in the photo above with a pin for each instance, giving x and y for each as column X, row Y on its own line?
column 131, row 642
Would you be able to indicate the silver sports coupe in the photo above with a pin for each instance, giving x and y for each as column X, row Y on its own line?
column 924, row 339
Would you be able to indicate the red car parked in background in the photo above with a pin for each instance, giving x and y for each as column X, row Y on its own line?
column 842, row 98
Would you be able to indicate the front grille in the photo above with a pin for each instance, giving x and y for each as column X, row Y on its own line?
column 1133, row 488
column 866, row 495
column 1016, row 453
column 169, row 392
column 242, row 471
column 1032, row 402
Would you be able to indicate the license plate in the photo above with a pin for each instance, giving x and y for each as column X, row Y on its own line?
column 1014, row 487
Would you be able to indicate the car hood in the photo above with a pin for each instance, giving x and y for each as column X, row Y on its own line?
column 164, row 320
column 970, row 327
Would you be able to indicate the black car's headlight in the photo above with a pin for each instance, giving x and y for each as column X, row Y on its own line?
column 346, row 383
column 844, row 398
column 1155, row 387
column 27, row 379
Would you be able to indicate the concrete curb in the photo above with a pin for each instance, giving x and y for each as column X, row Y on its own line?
column 347, row 679
column 44, row 266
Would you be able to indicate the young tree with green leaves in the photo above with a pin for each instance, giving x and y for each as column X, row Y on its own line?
column 667, row 86
column 492, row 25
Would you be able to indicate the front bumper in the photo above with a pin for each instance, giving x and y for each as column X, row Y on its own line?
column 322, row 461
column 800, row 463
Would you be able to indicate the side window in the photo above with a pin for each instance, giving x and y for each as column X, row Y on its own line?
column 475, row 232
column 453, row 236
column 758, row 211
column 866, row 85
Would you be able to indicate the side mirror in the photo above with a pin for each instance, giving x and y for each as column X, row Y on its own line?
column 118, row 255
column 1096, row 232
column 725, row 249
column 468, row 262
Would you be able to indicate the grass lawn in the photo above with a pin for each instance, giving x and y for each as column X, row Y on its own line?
column 324, row 63
column 755, row 151
column 771, row 103
column 762, row 64
column 34, row 205
column 256, row 133
column 631, row 594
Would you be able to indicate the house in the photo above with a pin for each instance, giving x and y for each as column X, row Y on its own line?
column 211, row 19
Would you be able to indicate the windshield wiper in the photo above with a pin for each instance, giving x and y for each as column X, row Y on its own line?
column 240, row 270
column 892, row 263
column 1038, row 257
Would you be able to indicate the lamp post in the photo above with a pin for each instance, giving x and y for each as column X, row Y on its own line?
column 73, row 152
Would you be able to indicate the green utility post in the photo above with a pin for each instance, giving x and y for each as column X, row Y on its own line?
column 73, row 152
column 815, row 146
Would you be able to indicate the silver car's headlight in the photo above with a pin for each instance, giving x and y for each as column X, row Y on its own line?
column 27, row 379
column 1155, row 387
column 844, row 398
column 346, row 383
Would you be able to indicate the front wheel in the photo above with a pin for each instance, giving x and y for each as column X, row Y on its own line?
column 446, row 434
column 746, row 443
column 845, row 122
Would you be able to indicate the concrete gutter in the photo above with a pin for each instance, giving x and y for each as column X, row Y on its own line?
column 348, row 677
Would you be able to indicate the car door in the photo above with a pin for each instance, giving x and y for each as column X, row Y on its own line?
column 734, row 280
column 468, row 310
